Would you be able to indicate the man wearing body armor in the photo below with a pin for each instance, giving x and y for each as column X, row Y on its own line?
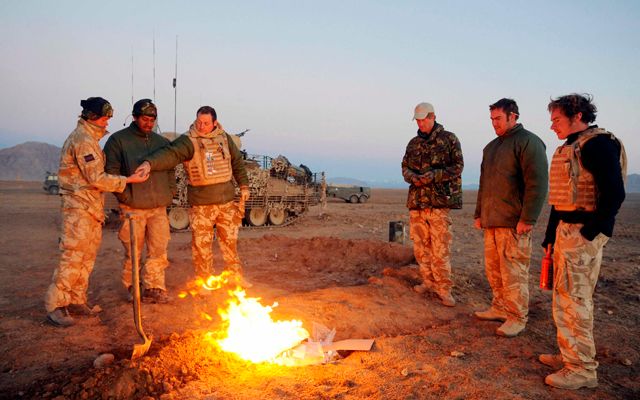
column 211, row 160
column 586, row 192
column 124, row 151
column 82, row 183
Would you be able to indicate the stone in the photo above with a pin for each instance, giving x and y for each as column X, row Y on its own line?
column 103, row 360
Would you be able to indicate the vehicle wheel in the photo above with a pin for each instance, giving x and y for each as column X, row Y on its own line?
column 257, row 216
column 179, row 218
column 363, row 198
column 54, row 190
column 353, row 199
column 277, row 216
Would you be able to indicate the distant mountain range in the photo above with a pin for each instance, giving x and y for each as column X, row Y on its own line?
column 30, row 161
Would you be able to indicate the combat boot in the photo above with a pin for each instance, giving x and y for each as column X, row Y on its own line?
column 510, row 328
column 447, row 299
column 552, row 360
column 60, row 317
column 424, row 287
column 83, row 310
column 155, row 296
column 491, row 315
column 569, row 379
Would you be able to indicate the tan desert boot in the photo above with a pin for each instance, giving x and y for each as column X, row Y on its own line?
column 510, row 328
column 569, row 379
column 491, row 315
column 423, row 288
column 60, row 317
column 447, row 299
column 552, row 360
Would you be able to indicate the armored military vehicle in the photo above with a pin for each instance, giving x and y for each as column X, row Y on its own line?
column 50, row 184
column 280, row 193
column 349, row 193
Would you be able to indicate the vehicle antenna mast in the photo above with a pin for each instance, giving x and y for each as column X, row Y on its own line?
column 175, row 91
column 154, row 65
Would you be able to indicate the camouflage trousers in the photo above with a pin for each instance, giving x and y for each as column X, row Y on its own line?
column 227, row 219
column 152, row 228
column 79, row 244
column 506, row 259
column 430, row 231
column 577, row 266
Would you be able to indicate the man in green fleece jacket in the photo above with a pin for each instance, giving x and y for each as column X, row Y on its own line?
column 513, row 187
column 124, row 152
column 212, row 161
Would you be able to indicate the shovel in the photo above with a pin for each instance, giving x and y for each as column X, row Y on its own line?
column 139, row 350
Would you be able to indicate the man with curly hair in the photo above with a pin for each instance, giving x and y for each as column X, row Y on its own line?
column 586, row 192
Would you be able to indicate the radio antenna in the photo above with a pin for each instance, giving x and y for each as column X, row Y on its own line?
column 131, row 75
column 154, row 65
column 175, row 91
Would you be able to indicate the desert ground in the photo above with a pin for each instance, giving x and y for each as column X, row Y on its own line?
column 338, row 270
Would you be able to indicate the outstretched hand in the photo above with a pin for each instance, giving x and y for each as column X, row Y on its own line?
column 137, row 178
column 143, row 169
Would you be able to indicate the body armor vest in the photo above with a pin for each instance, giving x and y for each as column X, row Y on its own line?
column 211, row 162
column 571, row 186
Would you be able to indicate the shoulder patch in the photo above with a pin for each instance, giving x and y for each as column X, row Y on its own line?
column 89, row 158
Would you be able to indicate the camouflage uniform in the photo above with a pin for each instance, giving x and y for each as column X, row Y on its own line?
column 82, row 181
column 513, row 187
column 439, row 153
column 578, row 238
column 577, row 262
column 124, row 152
column 153, row 225
column 510, row 286
column 211, row 205
column 226, row 219
column 430, row 231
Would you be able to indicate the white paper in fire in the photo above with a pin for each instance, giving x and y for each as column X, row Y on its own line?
column 320, row 348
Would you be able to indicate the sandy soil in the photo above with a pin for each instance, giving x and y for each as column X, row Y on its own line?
column 327, row 270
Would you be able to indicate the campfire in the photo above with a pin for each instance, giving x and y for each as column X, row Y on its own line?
column 247, row 328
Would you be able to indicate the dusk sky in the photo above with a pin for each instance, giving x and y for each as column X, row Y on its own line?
column 329, row 84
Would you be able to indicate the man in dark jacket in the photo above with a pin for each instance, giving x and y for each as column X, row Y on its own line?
column 513, row 186
column 212, row 162
column 586, row 192
column 432, row 165
column 125, row 150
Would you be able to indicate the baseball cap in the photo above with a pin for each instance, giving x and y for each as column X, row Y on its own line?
column 422, row 110
column 145, row 107
column 96, row 107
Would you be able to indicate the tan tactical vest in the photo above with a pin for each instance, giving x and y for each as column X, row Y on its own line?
column 211, row 162
column 571, row 186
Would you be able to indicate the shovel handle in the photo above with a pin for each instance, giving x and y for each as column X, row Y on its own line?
column 135, row 276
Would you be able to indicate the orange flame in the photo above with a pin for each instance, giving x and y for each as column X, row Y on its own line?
column 249, row 331
column 247, row 328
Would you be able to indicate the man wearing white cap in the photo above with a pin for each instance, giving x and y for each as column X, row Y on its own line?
column 432, row 165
